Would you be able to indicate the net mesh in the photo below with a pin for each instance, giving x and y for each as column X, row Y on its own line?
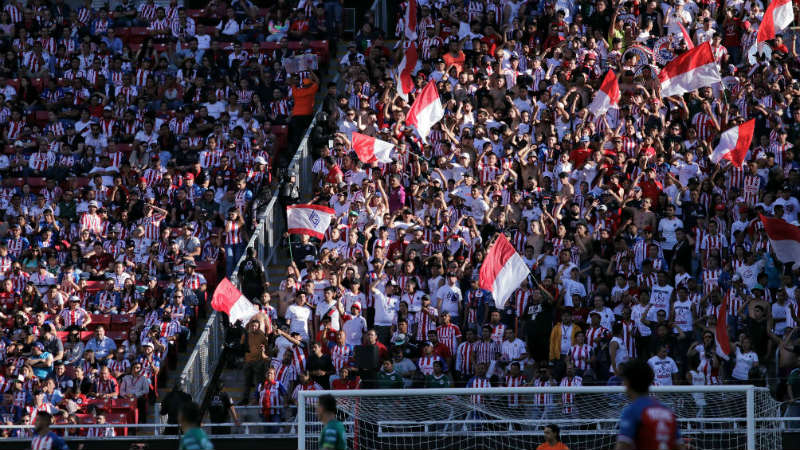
column 709, row 420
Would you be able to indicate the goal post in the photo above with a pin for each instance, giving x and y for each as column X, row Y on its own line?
column 709, row 417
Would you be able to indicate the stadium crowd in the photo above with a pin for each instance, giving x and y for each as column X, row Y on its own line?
column 638, row 244
column 137, row 143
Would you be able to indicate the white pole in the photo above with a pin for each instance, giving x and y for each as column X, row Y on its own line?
column 751, row 418
column 301, row 419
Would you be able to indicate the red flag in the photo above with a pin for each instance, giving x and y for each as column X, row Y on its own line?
column 426, row 111
column 607, row 96
column 686, row 37
column 502, row 271
column 692, row 70
column 411, row 20
column 734, row 143
column 229, row 300
column 370, row 149
column 785, row 239
column 721, row 335
column 778, row 16
column 406, row 70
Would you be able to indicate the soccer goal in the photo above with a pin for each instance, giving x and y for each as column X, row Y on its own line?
column 710, row 417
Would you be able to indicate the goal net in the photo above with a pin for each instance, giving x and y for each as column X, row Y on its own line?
column 710, row 417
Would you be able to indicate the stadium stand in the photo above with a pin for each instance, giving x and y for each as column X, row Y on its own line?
column 137, row 145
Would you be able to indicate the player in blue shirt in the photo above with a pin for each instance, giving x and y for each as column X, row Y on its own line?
column 43, row 438
column 645, row 424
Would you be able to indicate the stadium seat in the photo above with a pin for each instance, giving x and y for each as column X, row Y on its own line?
column 121, row 322
column 124, row 148
column 41, row 118
column 36, row 183
column 118, row 418
column 195, row 13
column 100, row 319
column 94, row 287
column 137, row 35
column 281, row 133
column 118, row 336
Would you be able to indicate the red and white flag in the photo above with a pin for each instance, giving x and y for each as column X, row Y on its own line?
column 721, row 337
column 692, row 70
column 502, row 271
column 406, row 70
column 778, row 16
column 785, row 240
column 312, row 220
column 734, row 143
column 608, row 95
column 229, row 300
column 426, row 111
column 686, row 36
column 410, row 20
column 370, row 149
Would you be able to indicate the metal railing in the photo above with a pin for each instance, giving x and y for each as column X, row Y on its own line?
column 389, row 428
column 381, row 11
column 202, row 363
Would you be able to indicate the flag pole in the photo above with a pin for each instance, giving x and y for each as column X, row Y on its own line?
column 289, row 240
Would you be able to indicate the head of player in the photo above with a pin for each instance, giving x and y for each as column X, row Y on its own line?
column 43, row 438
column 645, row 423
column 42, row 423
column 332, row 436
column 637, row 377
column 326, row 408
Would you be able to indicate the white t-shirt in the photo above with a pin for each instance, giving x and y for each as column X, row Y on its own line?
column 450, row 297
column 325, row 308
column 354, row 329
column 385, row 308
column 749, row 273
column 744, row 362
column 663, row 369
column 659, row 298
column 683, row 315
column 667, row 229
column 298, row 317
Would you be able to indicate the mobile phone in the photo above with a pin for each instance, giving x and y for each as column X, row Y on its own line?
column 330, row 143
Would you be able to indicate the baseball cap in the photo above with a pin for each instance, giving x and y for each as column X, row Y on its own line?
column 357, row 305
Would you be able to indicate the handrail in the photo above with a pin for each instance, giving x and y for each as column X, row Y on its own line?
column 201, row 364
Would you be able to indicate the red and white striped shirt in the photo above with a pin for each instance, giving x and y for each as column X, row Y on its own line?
column 449, row 335
column 425, row 364
column 579, row 355
column 233, row 234
column 568, row 398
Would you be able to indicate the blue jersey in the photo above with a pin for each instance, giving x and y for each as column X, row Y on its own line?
column 49, row 441
column 648, row 425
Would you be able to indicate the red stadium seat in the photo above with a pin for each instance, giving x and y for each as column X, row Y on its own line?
column 37, row 84
column 322, row 49
column 62, row 335
column 124, row 148
column 118, row 336
column 137, row 35
column 40, row 118
column 37, row 183
column 100, row 319
column 94, row 287
column 121, row 322
column 195, row 13
column 86, row 335
column 118, row 418
column 85, row 418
